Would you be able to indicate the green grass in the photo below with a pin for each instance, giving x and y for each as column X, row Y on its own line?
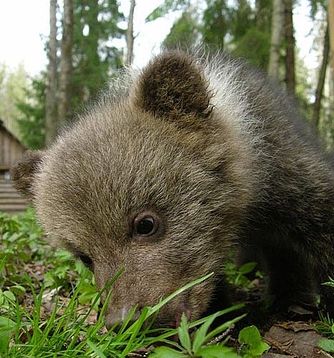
column 325, row 326
column 48, row 308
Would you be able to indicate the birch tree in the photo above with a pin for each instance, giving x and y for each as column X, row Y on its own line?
column 276, row 38
column 129, row 34
column 321, row 81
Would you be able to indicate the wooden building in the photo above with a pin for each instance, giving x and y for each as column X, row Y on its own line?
column 11, row 150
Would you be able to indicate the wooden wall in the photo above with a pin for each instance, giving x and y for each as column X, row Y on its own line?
column 11, row 149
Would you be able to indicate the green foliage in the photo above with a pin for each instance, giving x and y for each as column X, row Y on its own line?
column 253, row 345
column 7, row 328
column 330, row 283
column 304, row 88
column 184, row 32
column 254, row 45
column 19, row 245
column 94, row 56
column 237, row 276
column 243, row 16
column 263, row 12
column 166, row 7
column 199, row 345
column 240, row 27
column 215, row 23
column 326, row 344
column 31, row 121
column 326, row 327
column 23, row 250
column 12, row 90
column 250, row 31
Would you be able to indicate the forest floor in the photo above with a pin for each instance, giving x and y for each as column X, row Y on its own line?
column 295, row 333
column 49, row 308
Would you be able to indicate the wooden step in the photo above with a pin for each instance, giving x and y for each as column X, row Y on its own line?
column 4, row 187
column 13, row 209
column 10, row 200
column 17, row 200
column 9, row 191
column 6, row 183
column 13, row 212
column 10, row 194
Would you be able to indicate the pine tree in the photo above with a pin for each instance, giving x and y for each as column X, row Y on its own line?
column 31, row 120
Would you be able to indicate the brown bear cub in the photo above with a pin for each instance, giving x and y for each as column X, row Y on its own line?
column 176, row 164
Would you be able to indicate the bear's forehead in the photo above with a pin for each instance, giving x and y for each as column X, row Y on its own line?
column 124, row 145
column 119, row 161
column 118, row 155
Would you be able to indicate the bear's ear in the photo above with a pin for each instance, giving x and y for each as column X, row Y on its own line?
column 173, row 86
column 23, row 172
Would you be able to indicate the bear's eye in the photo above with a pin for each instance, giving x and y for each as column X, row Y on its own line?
column 145, row 224
column 86, row 260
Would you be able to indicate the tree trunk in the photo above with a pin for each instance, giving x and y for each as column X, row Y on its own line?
column 321, row 81
column 290, row 77
column 129, row 35
column 65, row 62
column 51, row 86
column 331, row 41
column 276, row 38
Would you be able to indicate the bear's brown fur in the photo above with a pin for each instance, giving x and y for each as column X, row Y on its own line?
column 174, row 166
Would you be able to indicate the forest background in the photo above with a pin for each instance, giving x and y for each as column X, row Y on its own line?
column 89, row 41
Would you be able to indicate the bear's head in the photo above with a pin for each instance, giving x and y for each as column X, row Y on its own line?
column 151, row 180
